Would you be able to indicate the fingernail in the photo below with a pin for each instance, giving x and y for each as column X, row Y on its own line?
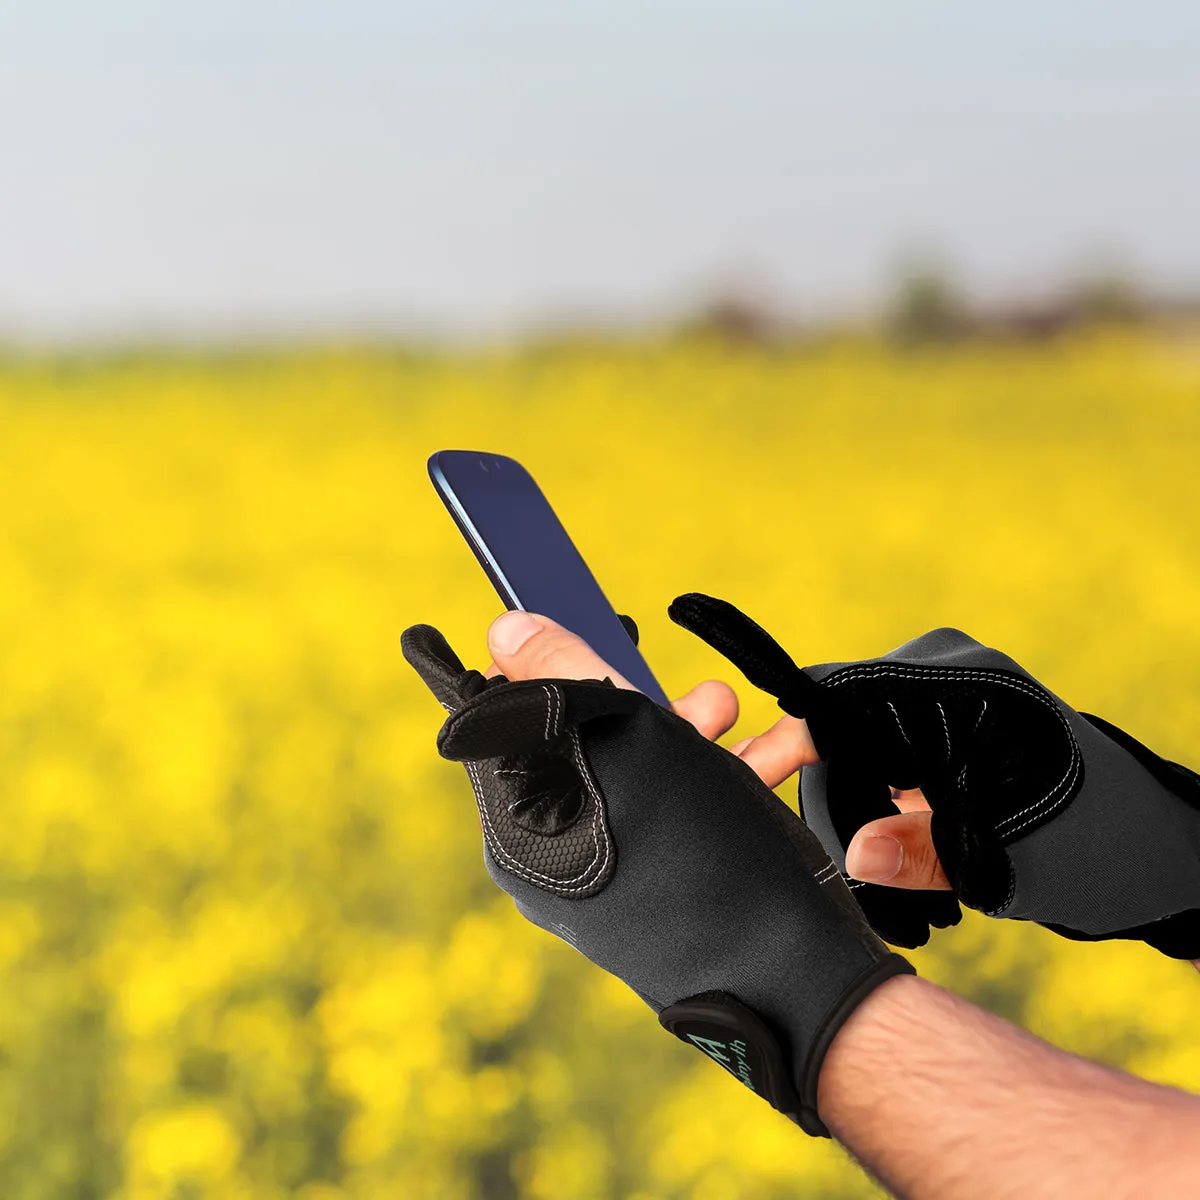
column 510, row 631
column 875, row 859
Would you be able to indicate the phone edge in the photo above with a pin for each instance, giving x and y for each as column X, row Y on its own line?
column 492, row 569
column 470, row 534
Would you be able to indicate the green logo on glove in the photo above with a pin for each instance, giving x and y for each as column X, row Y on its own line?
column 717, row 1052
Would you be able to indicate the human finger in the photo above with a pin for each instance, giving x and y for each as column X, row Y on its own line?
column 910, row 800
column 779, row 751
column 711, row 706
column 897, row 851
column 532, row 646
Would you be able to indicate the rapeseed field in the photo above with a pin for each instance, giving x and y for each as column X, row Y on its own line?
column 248, row 948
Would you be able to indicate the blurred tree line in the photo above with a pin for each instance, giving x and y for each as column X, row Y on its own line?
column 928, row 304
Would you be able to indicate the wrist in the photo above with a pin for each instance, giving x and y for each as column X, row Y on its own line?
column 866, row 1044
column 941, row 1100
column 861, row 990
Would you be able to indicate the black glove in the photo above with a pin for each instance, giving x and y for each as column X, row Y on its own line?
column 1039, row 812
column 620, row 828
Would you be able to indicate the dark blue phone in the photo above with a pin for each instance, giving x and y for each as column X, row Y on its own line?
column 528, row 556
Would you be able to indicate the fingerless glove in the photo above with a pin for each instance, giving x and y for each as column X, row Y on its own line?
column 618, row 827
column 1039, row 812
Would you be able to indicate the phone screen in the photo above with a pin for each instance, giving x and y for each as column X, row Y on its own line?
column 529, row 557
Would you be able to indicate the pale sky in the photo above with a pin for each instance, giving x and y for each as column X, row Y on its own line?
column 480, row 166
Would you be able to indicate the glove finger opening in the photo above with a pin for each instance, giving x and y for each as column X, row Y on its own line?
column 432, row 657
column 522, row 716
column 856, row 795
column 902, row 917
column 973, row 858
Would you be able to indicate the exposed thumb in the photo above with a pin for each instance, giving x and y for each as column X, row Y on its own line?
column 897, row 851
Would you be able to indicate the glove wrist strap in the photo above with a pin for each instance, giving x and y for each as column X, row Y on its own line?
column 735, row 1036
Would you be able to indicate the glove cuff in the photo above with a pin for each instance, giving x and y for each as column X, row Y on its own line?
column 852, row 997
column 736, row 1037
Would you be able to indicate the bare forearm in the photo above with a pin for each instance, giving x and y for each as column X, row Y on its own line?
column 940, row 1099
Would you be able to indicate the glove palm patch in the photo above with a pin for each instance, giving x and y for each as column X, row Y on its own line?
column 948, row 731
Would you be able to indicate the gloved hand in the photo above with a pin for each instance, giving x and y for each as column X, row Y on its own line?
column 619, row 827
column 1039, row 812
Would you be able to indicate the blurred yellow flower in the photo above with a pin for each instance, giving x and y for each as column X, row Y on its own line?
column 189, row 1145
column 248, row 945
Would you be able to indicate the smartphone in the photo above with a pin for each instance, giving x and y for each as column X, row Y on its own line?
column 529, row 557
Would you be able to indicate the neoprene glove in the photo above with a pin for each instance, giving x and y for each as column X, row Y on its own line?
column 1039, row 812
column 620, row 828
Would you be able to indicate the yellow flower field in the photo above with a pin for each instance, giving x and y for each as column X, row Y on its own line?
column 247, row 943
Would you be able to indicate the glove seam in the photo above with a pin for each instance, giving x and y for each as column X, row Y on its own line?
column 771, row 804
column 548, row 882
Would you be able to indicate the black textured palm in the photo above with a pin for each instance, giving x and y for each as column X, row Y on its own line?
column 539, row 810
column 991, row 753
